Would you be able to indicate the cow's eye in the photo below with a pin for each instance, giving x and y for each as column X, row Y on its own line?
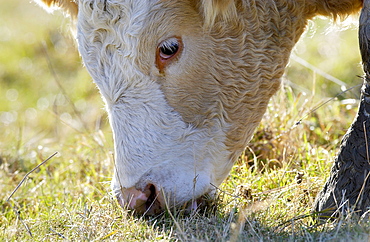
column 167, row 51
column 169, row 48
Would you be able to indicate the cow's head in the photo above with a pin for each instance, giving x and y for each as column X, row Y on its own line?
column 185, row 83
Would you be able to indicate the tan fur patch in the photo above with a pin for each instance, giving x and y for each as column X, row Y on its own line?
column 333, row 8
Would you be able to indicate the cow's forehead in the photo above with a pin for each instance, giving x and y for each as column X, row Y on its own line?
column 132, row 12
column 138, row 9
column 134, row 28
column 148, row 19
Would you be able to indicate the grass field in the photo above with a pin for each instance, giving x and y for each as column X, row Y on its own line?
column 48, row 103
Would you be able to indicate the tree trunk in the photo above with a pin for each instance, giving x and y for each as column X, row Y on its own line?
column 348, row 187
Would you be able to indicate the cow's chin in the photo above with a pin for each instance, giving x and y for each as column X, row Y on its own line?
column 162, row 189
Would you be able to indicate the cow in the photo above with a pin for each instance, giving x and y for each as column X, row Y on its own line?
column 185, row 83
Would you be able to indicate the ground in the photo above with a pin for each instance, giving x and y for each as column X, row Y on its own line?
column 49, row 104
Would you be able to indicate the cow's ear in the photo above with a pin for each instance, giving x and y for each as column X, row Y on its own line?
column 68, row 6
column 213, row 9
column 333, row 8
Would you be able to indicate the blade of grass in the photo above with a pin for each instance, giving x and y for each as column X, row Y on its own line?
column 24, row 178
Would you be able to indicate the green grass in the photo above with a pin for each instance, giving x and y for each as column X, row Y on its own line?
column 49, row 104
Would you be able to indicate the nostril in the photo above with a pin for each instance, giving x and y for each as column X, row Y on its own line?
column 152, row 194
column 153, row 204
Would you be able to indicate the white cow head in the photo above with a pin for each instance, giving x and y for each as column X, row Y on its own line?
column 185, row 84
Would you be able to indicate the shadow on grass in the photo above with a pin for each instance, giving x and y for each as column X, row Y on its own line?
column 239, row 223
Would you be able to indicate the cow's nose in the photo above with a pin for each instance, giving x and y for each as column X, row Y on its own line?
column 148, row 201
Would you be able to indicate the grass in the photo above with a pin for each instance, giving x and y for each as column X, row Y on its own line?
column 49, row 104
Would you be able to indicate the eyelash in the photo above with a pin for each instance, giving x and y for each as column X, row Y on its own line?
column 168, row 48
column 168, row 51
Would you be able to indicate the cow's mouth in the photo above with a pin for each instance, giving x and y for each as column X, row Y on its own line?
column 153, row 201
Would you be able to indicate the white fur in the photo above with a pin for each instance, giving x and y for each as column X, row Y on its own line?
column 152, row 142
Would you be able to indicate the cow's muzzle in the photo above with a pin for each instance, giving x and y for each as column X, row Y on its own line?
column 148, row 201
